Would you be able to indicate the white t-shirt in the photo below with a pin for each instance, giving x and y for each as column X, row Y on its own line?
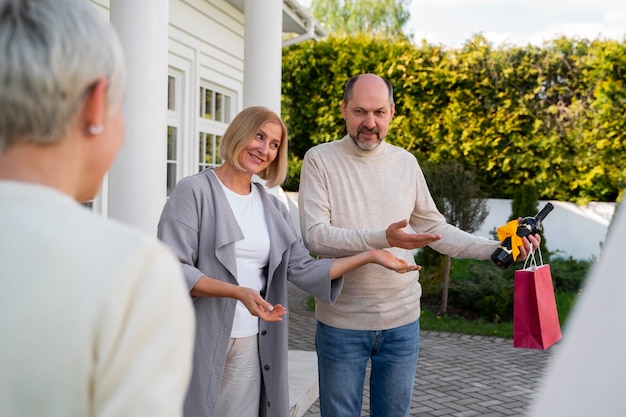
column 252, row 254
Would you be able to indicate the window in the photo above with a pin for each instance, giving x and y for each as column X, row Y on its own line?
column 174, row 123
column 214, row 105
column 171, row 92
column 214, row 116
column 208, row 153
column 198, row 113
column 172, row 144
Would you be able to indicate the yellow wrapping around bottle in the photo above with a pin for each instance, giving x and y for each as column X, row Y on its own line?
column 510, row 230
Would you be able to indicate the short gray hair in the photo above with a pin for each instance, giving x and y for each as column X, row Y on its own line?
column 53, row 51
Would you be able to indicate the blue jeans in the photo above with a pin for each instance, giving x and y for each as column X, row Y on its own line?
column 342, row 357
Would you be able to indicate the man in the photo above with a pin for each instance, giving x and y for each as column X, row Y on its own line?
column 96, row 320
column 360, row 193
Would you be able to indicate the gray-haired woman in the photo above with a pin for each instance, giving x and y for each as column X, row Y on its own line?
column 92, row 323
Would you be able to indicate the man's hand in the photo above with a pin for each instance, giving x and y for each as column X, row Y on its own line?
column 398, row 238
column 525, row 249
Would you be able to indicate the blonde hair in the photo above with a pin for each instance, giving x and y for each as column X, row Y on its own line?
column 244, row 127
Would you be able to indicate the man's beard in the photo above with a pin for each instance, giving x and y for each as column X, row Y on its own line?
column 367, row 145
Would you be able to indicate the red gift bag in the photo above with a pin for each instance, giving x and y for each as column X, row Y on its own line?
column 535, row 317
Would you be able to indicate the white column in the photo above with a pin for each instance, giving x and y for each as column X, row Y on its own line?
column 263, row 53
column 137, row 179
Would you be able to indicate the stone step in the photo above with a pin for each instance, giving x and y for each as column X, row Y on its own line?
column 303, row 388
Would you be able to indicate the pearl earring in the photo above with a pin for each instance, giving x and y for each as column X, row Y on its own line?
column 95, row 129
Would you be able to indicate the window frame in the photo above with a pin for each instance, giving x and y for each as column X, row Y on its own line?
column 209, row 126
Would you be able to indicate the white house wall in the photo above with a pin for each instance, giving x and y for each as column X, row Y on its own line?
column 215, row 30
column 205, row 45
column 210, row 36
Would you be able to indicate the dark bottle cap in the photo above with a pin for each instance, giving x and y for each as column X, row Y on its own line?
column 544, row 212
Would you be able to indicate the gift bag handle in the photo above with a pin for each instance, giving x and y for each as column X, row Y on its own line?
column 533, row 262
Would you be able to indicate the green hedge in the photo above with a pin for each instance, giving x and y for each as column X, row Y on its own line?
column 551, row 116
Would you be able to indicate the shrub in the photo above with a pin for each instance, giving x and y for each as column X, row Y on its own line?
column 485, row 291
column 478, row 289
column 569, row 274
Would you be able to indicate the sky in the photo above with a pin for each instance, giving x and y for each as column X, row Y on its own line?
column 516, row 22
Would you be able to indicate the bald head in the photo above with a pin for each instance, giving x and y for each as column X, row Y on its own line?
column 370, row 79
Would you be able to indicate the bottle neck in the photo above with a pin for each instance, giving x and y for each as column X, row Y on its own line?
column 544, row 212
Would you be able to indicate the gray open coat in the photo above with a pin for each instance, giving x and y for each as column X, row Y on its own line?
column 199, row 226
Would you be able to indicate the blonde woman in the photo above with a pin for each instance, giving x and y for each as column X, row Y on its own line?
column 238, row 249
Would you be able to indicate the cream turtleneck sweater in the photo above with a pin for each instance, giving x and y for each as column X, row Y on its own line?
column 347, row 198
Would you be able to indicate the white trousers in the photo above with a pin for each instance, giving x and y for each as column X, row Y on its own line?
column 240, row 393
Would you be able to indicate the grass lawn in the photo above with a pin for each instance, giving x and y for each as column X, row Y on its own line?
column 456, row 324
column 452, row 323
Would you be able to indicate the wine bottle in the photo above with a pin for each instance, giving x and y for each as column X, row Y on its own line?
column 503, row 256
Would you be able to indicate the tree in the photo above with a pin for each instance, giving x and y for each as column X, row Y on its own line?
column 525, row 201
column 349, row 17
column 459, row 198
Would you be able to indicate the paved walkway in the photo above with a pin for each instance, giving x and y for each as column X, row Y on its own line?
column 457, row 375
